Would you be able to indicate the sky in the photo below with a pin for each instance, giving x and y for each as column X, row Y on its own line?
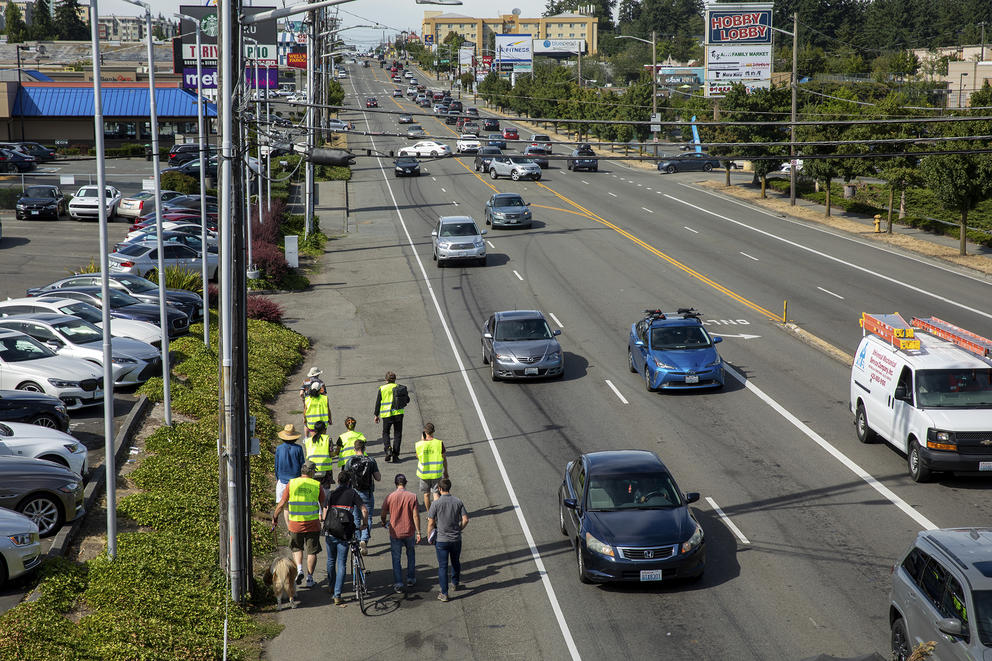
column 394, row 15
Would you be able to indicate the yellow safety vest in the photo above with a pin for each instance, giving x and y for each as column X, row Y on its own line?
column 316, row 408
column 386, row 401
column 304, row 499
column 318, row 449
column 430, row 462
column 348, row 446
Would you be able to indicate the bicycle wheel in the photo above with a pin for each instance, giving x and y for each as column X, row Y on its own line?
column 358, row 576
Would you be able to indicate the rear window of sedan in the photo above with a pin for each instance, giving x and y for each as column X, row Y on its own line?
column 133, row 250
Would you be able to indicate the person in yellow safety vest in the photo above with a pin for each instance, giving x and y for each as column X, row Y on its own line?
column 316, row 407
column 318, row 450
column 303, row 498
column 391, row 418
column 432, row 464
column 346, row 442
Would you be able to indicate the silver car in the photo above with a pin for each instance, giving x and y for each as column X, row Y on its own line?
column 514, row 167
column 458, row 238
column 508, row 210
column 20, row 546
column 519, row 344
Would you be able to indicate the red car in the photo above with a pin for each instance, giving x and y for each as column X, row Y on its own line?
column 510, row 134
column 371, row 102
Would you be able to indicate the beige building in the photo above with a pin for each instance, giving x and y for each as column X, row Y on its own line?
column 963, row 78
column 480, row 31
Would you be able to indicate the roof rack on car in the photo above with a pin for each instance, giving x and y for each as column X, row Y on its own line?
column 686, row 313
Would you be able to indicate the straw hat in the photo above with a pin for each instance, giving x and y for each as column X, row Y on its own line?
column 314, row 372
column 289, row 433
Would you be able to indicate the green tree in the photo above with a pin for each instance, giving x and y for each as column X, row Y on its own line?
column 629, row 13
column 602, row 10
column 901, row 170
column 69, row 26
column 42, row 28
column 335, row 93
column 17, row 30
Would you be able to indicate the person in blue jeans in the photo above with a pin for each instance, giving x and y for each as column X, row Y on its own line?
column 448, row 517
column 364, row 473
column 343, row 497
column 402, row 517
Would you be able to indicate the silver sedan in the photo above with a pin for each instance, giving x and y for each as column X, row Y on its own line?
column 519, row 344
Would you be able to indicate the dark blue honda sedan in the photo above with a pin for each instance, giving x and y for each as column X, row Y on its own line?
column 628, row 520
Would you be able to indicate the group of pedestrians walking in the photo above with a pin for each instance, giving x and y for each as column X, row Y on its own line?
column 315, row 503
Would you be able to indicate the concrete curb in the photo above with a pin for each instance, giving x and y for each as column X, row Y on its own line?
column 817, row 343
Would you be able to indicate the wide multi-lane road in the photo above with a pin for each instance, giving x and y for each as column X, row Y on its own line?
column 820, row 518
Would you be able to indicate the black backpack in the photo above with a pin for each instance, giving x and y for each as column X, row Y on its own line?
column 360, row 467
column 401, row 397
column 339, row 522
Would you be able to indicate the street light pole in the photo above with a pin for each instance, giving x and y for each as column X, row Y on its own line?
column 654, row 79
column 795, row 88
column 961, row 90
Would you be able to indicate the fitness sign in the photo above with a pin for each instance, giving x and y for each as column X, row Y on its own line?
column 738, row 47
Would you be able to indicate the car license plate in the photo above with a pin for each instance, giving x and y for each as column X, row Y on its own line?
column 692, row 378
column 650, row 574
column 34, row 213
column 530, row 371
column 985, row 465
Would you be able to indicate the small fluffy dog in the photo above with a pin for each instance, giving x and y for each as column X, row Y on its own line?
column 282, row 577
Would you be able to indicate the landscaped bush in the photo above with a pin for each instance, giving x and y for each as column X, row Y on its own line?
column 182, row 183
column 8, row 197
column 213, row 296
column 265, row 309
column 180, row 278
column 270, row 261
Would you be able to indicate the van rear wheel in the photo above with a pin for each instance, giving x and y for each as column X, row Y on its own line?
column 865, row 434
column 917, row 470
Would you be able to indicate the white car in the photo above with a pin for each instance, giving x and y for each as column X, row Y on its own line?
column 86, row 202
column 468, row 142
column 24, row 440
column 27, row 364
column 142, row 258
column 20, row 545
column 787, row 166
column 134, row 362
column 425, row 148
column 129, row 328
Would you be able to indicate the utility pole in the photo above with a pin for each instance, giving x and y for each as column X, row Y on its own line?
column 792, row 126
column 311, row 85
column 981, row 58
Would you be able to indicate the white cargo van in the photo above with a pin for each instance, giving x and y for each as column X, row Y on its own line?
column 926, row 389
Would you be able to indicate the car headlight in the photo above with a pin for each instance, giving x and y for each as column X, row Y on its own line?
column 716, row 362
column 59, row 383
column 662, row 365
column 554, row 355
column 444, row 244
column 21, row 538
column 71, row 487
column 20, row 206
column 117, row 360
column 597, row 546
column 71, row 447
column 504, row 356
column 694, row 541
column 527, row 213
column 941, row 440
column 478, row 243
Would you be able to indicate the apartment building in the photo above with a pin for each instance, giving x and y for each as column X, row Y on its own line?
column 480, row 31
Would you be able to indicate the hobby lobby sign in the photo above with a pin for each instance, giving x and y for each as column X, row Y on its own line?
column 744, row 26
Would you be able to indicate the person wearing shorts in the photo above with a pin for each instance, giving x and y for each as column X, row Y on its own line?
column 432, row 464
column 304, row 519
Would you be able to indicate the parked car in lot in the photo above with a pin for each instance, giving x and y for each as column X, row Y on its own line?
column 48, row 494
column 190, row 239
column 41, row 153
column 507, row 210
column 514, row 167
column 132, row 328
column 14, row 160
column 335, row 125
column 192, row 168
column 23, row 440
column 519, row 344
column 86, row 202
column 33, row 408
column 183, row 153
column 144, row 290
column 134, row 362
column 628, row 520
column 20, row 546
column 142, row 202
column 426, row 148
column 40, row 202
column 406, row 166
column 458, row 238
column 688, row 162
column 142, row 258
column 673, row 351
column 583, row 158
column 126, row 306
column 538, row 155
column 26, row 364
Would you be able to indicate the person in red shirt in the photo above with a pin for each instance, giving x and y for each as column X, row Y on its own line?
column 401, row 516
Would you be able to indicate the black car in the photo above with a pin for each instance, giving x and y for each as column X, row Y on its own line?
column 583, row 158
column 628, row 520
column 35, row 408
column 688, row 162
column 451, row 117
column 455, row 105
column 187, row 152
column 539, row 155
column 144, row 290
column 483, row 156
column 490, row 124
column 472, row 112
column 192, row 168
column 125, row 306
column 12, row 160
column 40, row 152
column 41, row 202
column 407, row 166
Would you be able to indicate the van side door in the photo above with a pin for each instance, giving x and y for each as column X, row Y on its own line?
column 903, row 410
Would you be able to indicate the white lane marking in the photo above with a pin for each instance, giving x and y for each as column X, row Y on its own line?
column 648, row 210
column 639, row 185
column 511, row 492
column 827, row 291
column 555, row 319
column 726, row 520
column 690, row 229
column 490, row 244
column 614, row 176
column 648, row 188
column 616, row 392
column 584, row 181
column 444, row 190
column 838, row 260
column 659, row 193
column 887, row 493
column 613, row 194
column 433, row 178
column 519, row 277
column 750, row 257
column 455, row 203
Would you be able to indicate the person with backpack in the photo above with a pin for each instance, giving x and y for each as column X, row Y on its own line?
column 364, row 474
column 390, row 401
column 312, row 376
column 316, row 407
column 339, row 528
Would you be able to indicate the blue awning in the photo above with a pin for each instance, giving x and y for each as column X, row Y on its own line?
column 55, row 101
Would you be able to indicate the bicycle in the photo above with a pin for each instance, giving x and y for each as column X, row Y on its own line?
column 358, row 574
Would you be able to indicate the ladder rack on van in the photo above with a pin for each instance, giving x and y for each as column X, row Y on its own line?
column 892, row 328
column 965, row 339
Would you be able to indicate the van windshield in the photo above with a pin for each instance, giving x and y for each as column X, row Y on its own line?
column 983, row 615
column 960, row 388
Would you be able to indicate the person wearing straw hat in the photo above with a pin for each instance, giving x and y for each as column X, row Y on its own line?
column 312, row 375
column 289, row 460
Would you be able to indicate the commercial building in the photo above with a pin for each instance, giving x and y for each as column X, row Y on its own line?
column 482, row 31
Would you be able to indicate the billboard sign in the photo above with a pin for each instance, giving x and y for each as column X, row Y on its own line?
column 720, row 88
column 559, row 46
column 738, row 62
column 738, row 26
column 428, row 41
column 208, row 82
column 515, row 49
column 265, row 33
column 268, row 78
column 296, row 60
column 465, row 54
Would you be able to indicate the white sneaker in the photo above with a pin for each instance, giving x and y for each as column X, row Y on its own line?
column 364, row 547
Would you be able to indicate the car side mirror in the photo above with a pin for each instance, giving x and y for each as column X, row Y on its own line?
column 53, row 344
column 638, row 343
column 571, row 503
column 485, row 231
column 717, row 339
column 691, row 497
column 527, row 204
column 900, row 393
column 556, row 332
column 433, row 232
column 951, row 626
column 487, row 335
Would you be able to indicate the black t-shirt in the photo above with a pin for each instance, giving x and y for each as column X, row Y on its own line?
column 345, row 497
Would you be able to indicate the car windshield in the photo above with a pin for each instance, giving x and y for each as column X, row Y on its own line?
column 508, row 201
column 632, row 491
column 84, row 311
column 21, row 347
column 415, row 127
column 958, row 388
column 680, row 337
column 983, row 615
column 143, row 195
column 137, row 285
column 522, row 161
column 513, row 330
column 39, row 191
column 459, row 229
column 120, row 299
column 80, row 331
column 406, row 160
